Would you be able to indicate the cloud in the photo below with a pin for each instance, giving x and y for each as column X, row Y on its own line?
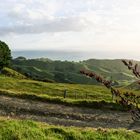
column 39, row 16
column 36, row 16
column 79, row 24
column 54, row 25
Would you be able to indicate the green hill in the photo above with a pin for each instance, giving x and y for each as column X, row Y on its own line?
column 12, row 73
column 110, row 68
column 68, row 72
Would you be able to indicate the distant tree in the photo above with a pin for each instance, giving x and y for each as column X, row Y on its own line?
column 20, row 58
column 5, row 55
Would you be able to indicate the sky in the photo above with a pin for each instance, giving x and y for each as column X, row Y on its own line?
column 72, row 25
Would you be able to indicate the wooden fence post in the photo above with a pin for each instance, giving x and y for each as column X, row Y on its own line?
column 65, row 93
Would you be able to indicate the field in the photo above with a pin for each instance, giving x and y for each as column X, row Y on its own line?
column 54, row 89
column 84, row 106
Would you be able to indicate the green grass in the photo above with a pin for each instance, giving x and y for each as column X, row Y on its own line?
column 12, row 73
column 29, row 130
column 88, row 92
column 86, row 95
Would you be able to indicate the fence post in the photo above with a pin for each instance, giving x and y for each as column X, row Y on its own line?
column 65, row 93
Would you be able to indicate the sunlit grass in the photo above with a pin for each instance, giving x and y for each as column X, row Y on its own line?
column 30, row 130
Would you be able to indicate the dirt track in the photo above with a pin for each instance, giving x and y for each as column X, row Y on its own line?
column 63, row 115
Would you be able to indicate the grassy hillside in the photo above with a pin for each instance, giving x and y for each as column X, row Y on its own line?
column 22, row 86
column 68, row 72
column 93, row 96
column 29, row 130
column 114, row 69
column 79, row 95
column 12, row 73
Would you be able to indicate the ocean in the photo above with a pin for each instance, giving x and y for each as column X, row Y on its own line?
column 53, row 55
column 74, row 55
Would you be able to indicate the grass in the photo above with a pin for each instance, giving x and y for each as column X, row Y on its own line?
column 12, row 73
column 88, row 92
column 77, row 95
column 30, row 130
column 86, row 95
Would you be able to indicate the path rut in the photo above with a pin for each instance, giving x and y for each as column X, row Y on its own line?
column 64, row 115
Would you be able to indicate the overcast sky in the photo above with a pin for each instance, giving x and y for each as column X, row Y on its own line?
column 85, row 25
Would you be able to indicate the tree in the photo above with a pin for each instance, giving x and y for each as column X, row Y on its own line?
column 5, row 55
column 20, row 58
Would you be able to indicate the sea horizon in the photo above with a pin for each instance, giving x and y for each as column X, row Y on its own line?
column 71, row 55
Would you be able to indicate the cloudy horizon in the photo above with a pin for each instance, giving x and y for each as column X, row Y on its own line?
column 76, row 25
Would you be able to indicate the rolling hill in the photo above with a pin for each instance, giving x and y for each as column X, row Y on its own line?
column 68, row 72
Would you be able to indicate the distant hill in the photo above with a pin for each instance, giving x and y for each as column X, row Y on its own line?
column 68, row 72
column 110, row 68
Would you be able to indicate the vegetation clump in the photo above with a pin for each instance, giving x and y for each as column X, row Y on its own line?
column 5, row 55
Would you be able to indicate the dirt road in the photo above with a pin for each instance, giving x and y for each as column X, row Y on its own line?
column 64, row 115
